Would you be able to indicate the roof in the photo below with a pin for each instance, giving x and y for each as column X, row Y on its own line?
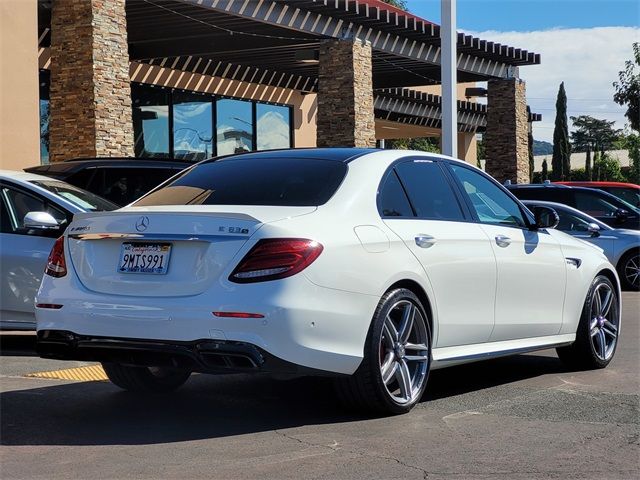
column 600, row 184
column 21, row 176
column 338, row 154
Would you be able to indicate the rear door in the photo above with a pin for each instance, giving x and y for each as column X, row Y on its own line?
column 454, row 252
column 531, row 267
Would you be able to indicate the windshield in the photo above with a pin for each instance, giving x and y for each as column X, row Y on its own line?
column 298, row 182
column 82, row 199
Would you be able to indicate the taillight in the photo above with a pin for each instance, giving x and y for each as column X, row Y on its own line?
column 56, row 264
column 272, row 259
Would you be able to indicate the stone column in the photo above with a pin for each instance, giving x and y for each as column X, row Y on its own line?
column 345, row 95
column 506, row 139
column 90, row 109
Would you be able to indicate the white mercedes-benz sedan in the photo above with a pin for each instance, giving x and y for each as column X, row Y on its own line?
column 373, row 266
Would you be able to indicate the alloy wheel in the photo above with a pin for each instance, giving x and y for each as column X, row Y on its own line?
column 404, row 352
column 605, row 319
column 632, row 271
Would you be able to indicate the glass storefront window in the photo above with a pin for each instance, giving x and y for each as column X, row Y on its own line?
column 44, row 116
column 192, row 126
column 234, row 129
column 150, row 121
column 274, row 127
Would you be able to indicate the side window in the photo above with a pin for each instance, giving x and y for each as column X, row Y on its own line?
column 16, row 204
column 570, row 222
column 594, row 205
column 392, row 201
column 429, row 190
column 124, row 185
column 491, row 204
column 6, row 225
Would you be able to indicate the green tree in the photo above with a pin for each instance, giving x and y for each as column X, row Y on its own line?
column 593, row 135
column 545, row 170
column 607, row 169
column 628, row 88
column 560, row 161
column 532, row 164
column 401, row 4
column 424, row 144
column 632, row 142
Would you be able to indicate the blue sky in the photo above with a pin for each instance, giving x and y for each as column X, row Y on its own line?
column 583, row 43
column 527, row 15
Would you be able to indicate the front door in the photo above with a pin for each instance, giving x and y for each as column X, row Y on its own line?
column 530, row 264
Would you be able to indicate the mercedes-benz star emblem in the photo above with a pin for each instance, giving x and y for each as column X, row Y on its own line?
column 142, row 224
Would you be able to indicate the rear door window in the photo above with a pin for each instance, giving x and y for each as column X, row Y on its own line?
column 392, row 200
column 429, row 190
column 257, row 181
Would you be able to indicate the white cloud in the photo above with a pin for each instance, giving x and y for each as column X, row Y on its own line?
column 586, row 59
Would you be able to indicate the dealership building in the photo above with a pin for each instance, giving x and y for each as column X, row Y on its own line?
column 197, row 78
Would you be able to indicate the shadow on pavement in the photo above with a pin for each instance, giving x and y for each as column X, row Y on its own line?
column 18, row 345
column 98, row 413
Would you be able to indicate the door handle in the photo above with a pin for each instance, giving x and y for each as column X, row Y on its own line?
column 425, row 241
column 503, row 241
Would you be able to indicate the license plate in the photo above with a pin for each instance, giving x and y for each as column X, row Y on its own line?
column 150, row 258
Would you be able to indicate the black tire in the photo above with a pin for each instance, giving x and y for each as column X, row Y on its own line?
column 627, row 265
column 145, row 379
column 586, row 353
column 365, row 389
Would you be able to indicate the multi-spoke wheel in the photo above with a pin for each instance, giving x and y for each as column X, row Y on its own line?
column 404, row 352
column 629, row 270
column 397, row 357
column 598, row 330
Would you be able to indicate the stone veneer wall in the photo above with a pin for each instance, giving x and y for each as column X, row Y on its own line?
column 506, row 138
column 90, row 104
column 345, row 95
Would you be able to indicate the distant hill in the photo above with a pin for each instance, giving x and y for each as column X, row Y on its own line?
column 542, row 148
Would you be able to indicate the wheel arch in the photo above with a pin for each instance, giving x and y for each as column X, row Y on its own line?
column 611, row 275
column 417, row 289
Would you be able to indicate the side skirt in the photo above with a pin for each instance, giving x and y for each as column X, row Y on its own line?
column 449, row 356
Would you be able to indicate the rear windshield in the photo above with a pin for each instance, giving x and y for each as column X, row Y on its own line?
column 80, row 198
column 258, row 181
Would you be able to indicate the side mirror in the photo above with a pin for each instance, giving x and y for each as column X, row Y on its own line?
column 40, row 220
column 621, row 214
column 593, row 229
column 545, row 217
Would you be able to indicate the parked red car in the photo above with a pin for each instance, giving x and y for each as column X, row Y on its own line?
column 629, row 192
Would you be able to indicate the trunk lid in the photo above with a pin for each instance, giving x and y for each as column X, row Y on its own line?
column 203, row 241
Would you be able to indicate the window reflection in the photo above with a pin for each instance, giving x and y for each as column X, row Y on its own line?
column 234, row 129
column 44, row 116
column 192, row 126
column 150, row 121
column 274, row 128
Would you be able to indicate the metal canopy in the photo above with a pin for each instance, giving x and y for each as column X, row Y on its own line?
column 259, row 41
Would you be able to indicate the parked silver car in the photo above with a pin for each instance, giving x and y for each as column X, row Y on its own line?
column 34, row 210
column 622, row 247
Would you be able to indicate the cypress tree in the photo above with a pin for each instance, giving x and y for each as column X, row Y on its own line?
column 531, row 160
column 587, row 165
column 545, row 170
column 560, row 162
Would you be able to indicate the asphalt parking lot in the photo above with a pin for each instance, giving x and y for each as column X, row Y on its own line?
column 519, row 417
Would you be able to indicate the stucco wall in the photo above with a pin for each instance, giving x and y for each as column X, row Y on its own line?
column 19, row 104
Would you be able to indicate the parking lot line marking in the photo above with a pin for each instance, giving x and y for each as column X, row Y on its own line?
column 91, row 373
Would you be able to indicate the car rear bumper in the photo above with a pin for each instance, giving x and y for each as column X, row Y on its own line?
column 205, row 355
column 300, row 323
